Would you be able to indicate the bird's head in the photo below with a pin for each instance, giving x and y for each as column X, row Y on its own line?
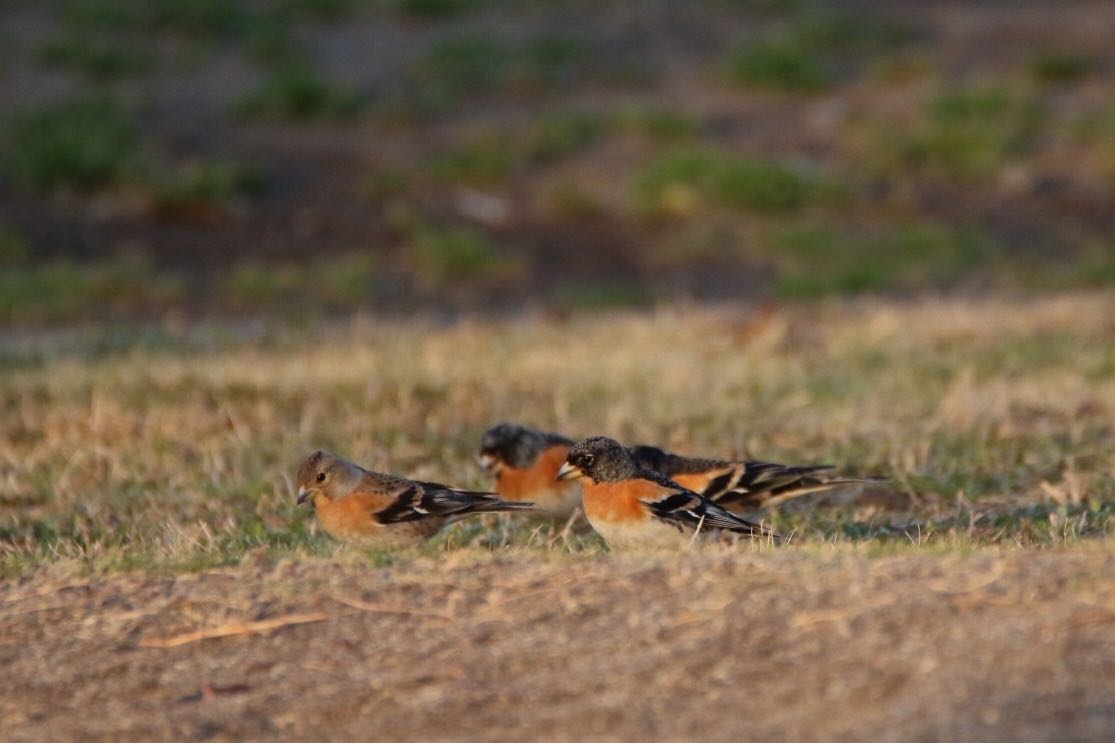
column 320, row 476
column 510, row 445
column 600, row 459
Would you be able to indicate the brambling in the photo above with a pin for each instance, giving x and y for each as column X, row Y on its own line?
column 739, row 484
column 632, row 506
column 356, row 505
column 525, row 463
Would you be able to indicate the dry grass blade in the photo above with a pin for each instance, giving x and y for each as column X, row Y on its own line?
column 233, row 629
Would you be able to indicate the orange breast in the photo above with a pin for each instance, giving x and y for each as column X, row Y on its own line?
column 617, row 502
column 527, row 484
column 352, row 519
column 348, row 517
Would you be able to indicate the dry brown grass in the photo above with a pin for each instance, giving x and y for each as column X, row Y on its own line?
column 180, row 450
column 161, row 583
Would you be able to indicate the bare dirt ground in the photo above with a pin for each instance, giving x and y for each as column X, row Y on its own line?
column 801, row 643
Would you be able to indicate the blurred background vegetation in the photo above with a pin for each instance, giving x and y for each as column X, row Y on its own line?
column 186, row 158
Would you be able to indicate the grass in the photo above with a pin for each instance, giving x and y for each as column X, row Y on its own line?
column 84, row 143
column 967, row 135
column 199, row 185
column 596, row 296
column 447, row 258
column 680, row 182
column 558, row 135
column 96, row 58
column 296, row 93
column 659, row 124
column 344, row 280
column 63, row 290
column 1059, row 67
column 459, row 67
column 482, row 160
column 132, row 450
column 784, row 64
column 60, row 291
column 812, row 52
column 435, row 9
column 817, row 262
column 14, row 248
column 94, row 144
column 195, row 18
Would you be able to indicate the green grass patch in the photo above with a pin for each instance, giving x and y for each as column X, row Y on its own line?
column 15, row 250
column 296, row 93
column 329, row 281
column 63, row 290
column 570, row 200
column 198, row 184
column 435, row 9
column 599, row 296
column 457, row 256
column 658, row 124
column 767, row 6
column 318, row 10
column 836, row 32
column 96, row 57
column 558, row 135
column 462, row 66
column 813, row 262
column 197, row 18
column 813, row 52
column 680, row 181
column 1090, row 265
column 482, row 160
column 784, row 64
column 967, row 135
column 271, row 42
column 1057, row 67
column 83, row 143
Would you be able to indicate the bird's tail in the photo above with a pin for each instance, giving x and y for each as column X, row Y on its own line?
column 762, row 484
column 487, row 503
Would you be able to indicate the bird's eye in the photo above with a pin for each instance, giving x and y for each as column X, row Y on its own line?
column 321, row 477
column 588, row 459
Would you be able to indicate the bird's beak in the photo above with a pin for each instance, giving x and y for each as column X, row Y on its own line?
column 303, row 496
column 569, row 471
column 487, row 462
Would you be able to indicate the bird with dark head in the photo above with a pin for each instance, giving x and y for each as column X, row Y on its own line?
column 357, row 505
column 632, row 506
column 525, row 462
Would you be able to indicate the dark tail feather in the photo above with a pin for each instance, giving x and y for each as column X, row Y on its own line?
column 785, row 490
column 484, row 503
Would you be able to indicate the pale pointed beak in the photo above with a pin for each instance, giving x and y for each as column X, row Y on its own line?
column 488, row 462
column 569, row 471
column 303, row 496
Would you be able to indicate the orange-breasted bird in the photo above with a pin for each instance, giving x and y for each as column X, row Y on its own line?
column 525, row 463
column 741, row 484
column 364, row 507
column 632, row 506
